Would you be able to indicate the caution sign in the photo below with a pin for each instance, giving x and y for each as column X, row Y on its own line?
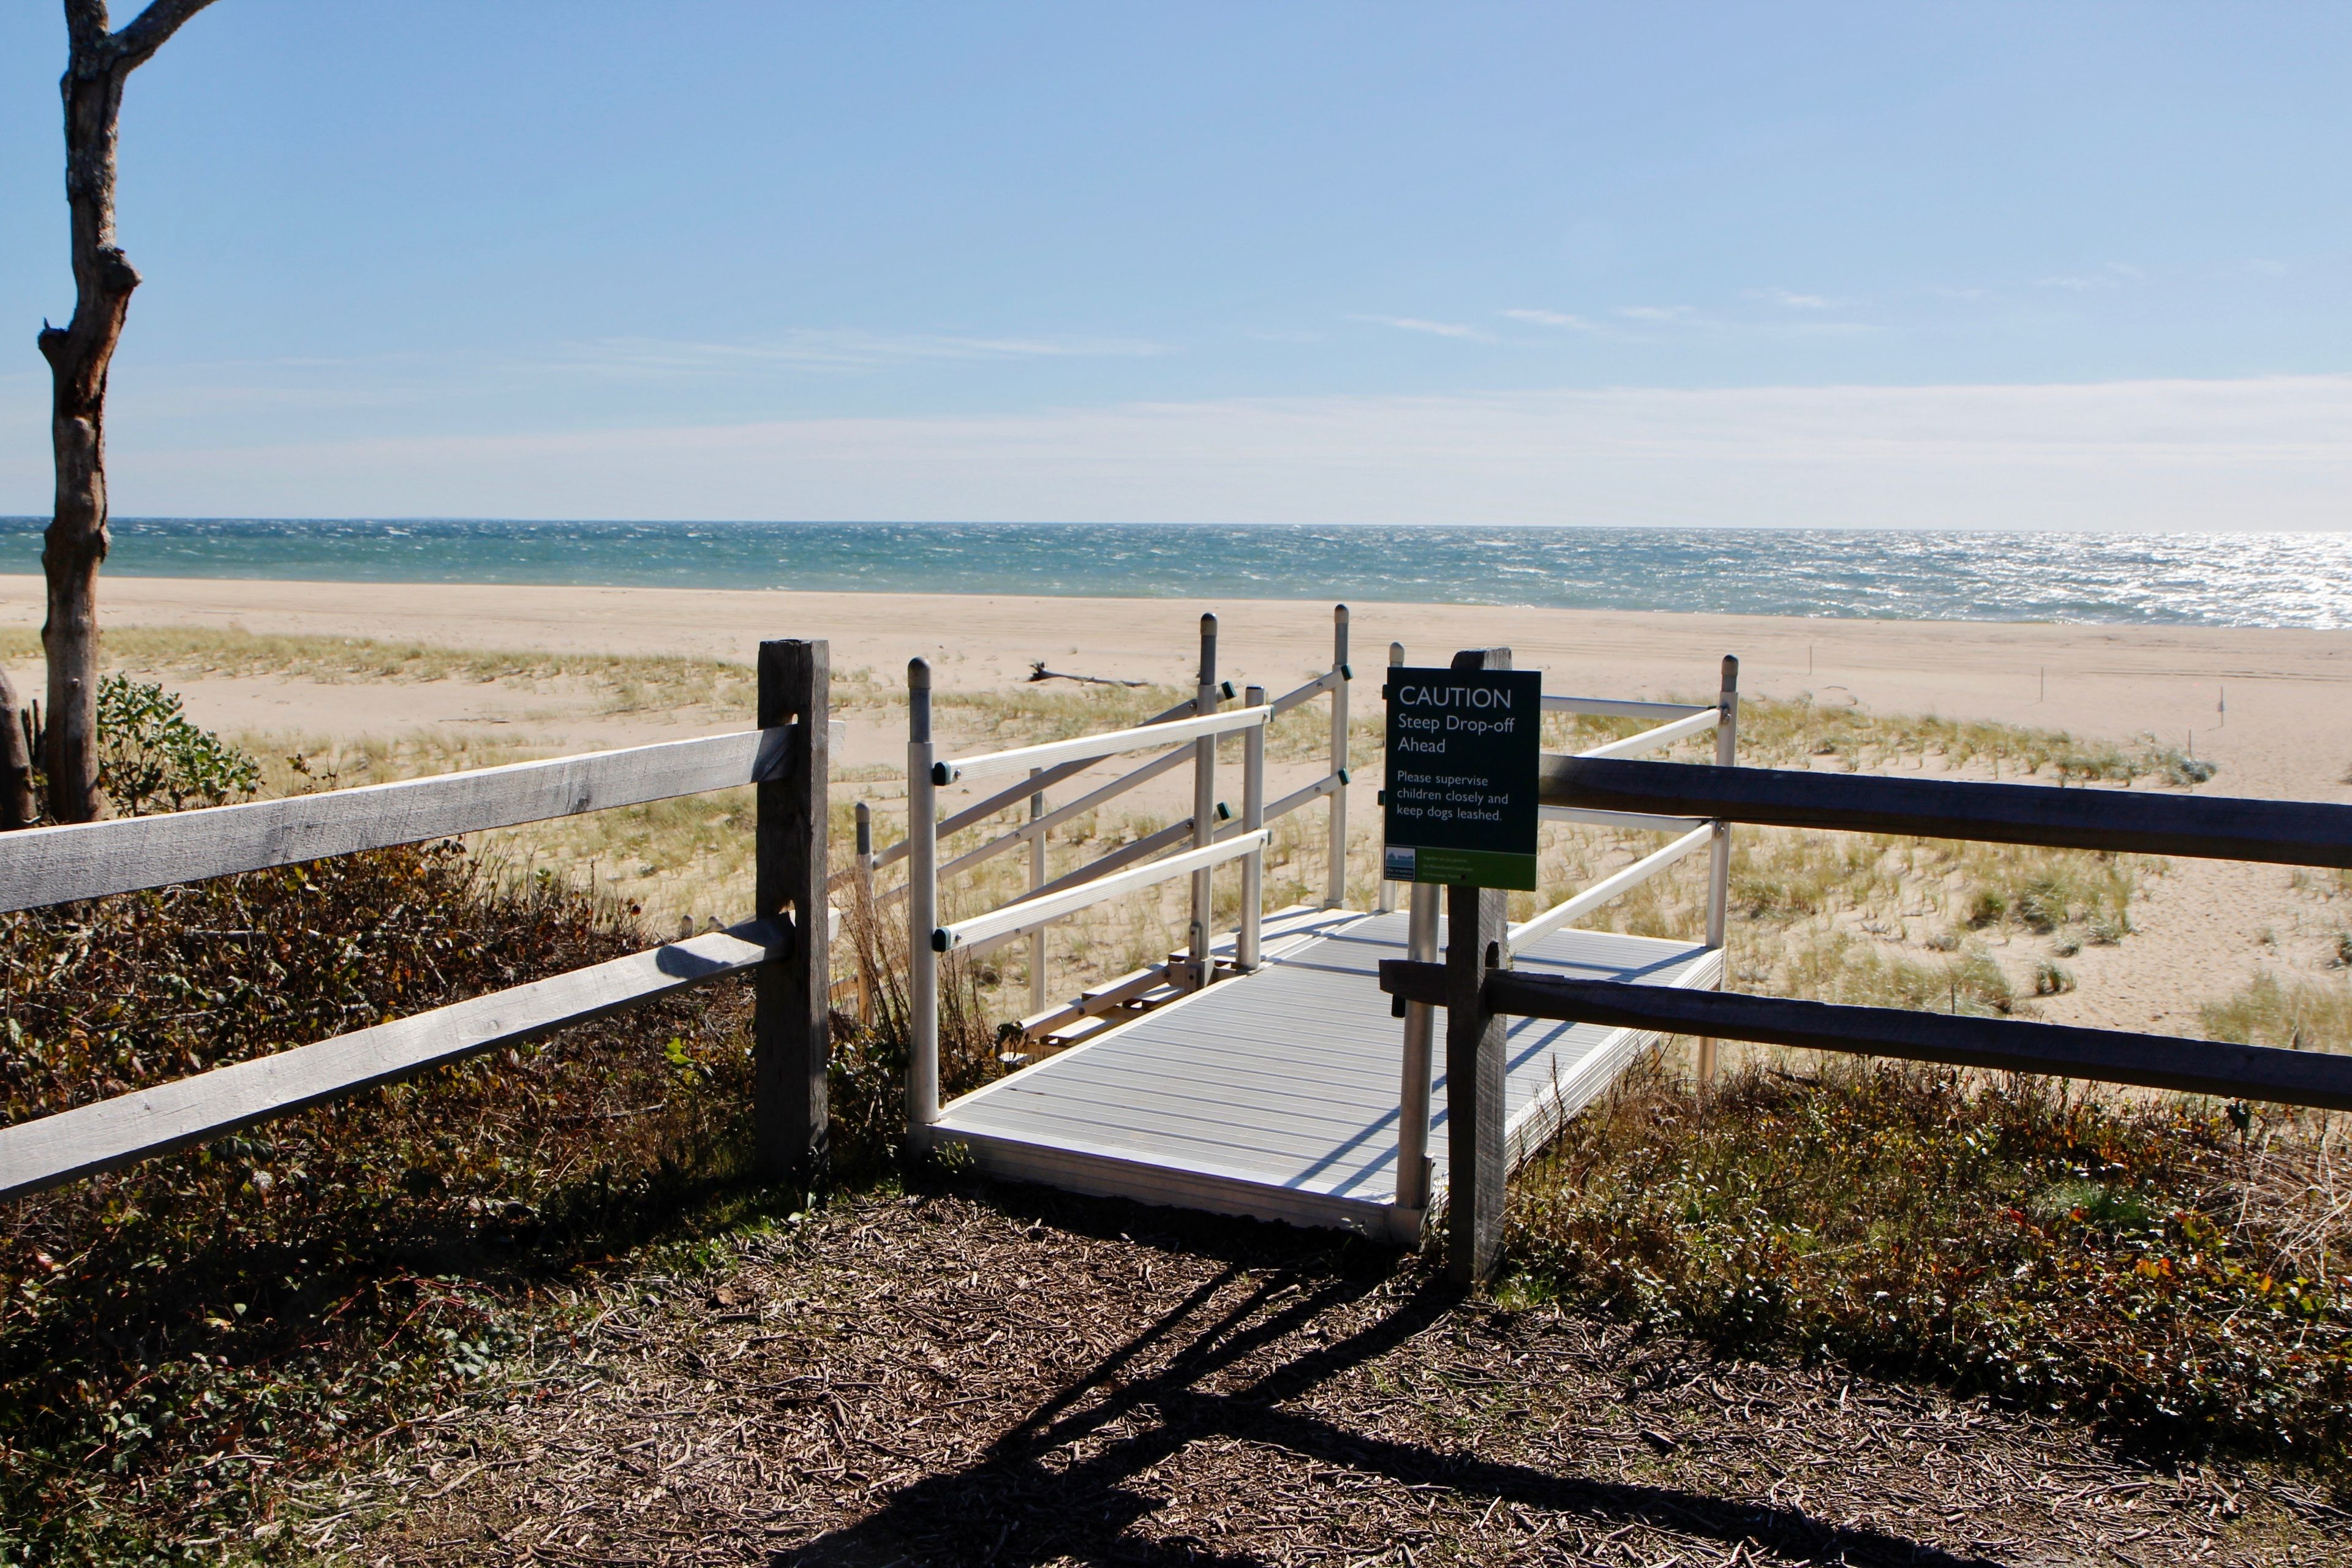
column 1460, row 802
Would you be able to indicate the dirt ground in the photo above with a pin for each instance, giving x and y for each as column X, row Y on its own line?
column 1005, row 1375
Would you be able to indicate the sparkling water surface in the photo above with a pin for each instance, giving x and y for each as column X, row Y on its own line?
column 2186, row 579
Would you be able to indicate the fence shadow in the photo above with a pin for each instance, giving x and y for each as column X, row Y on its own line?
column 1010, row 1506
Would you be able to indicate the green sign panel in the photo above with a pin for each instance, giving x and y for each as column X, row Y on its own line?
column 1460, row 801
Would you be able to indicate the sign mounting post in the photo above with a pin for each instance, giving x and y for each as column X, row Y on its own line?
column 1460, row 810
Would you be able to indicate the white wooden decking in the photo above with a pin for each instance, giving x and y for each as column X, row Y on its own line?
column 1274, row 1095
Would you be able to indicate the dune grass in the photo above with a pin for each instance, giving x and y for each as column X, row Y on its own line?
column 2147, row 1267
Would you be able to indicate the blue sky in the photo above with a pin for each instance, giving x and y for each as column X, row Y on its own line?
column 2058, row 264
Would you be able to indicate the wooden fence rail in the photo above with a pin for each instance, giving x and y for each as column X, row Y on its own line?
column 786, row 944
column 1479, row 990
column 2315, row 1078
column 42, row 866
column 208, row 1105
column 2216, row 827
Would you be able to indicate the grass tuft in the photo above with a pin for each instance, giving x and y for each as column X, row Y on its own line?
column 2104, row 1259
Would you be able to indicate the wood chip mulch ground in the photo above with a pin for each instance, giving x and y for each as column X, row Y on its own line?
column 1006, row 1376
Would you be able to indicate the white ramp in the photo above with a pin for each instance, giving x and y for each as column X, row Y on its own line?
column 1274, row 1095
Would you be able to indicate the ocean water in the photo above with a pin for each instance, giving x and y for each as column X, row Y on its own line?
column 2241, row 580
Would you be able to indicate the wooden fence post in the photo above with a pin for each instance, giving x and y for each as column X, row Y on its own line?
column 1476, row 939
column 792, row 1015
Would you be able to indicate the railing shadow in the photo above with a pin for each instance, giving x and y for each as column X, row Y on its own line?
column 1011, row 1506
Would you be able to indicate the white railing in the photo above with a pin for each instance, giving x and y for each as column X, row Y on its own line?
column 1560, row 915
column 1649, row 741
column 1026, row 915
column 1086, row 748
column 1619, row 707
column 1193, row 848
column 1683, row 720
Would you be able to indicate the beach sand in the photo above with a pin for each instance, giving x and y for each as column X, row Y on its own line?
column 2204, row 928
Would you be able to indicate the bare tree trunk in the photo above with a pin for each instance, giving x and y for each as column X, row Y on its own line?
column 97, row 63
column 18, row 807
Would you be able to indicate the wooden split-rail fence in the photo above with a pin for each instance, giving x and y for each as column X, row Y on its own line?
column 1258, row 1071
column 785, row 942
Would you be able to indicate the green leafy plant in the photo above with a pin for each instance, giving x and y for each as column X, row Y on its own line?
column 152, row 758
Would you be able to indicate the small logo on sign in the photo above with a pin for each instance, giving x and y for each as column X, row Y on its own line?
column 1398, row 864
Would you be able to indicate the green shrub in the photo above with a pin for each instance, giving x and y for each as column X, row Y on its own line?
column 151, row 758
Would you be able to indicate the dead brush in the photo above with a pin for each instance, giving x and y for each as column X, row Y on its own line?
column 171, row 1331
column 867, row 1079
column 2142, row 1264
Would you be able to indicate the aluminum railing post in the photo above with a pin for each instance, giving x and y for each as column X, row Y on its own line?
column 1037, row 880
column 1204, row 807
column 1387, row 904
column 1719, row 867
column 1335, row 872
column 922, row 906
column 1245, row 940
column 1413, row 1171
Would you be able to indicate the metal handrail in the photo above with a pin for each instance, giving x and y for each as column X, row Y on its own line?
column 1664, row 735
column 992, row 765
column 1026, row 915
column 1045, row 765
column 1610, row 887
column 1635, row 821
column 1613, row 708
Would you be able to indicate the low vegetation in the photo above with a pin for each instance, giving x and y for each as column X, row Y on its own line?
column 627, row 682
column 2177, row 1275
column 175, row 1336
column 2300, row 1013
column 173, row 1332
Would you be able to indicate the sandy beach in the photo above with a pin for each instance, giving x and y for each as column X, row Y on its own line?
column 2203, row 929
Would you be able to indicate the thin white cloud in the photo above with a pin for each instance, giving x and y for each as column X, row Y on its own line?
column 1435, row 328
column 2114, row 275
column 1789, row 299
column 837, row 350
column 1555, row 319
column 2260, row 454
column 1674, row 314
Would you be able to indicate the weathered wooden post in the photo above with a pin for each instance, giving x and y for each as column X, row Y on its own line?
column 1476, row 939
column 792, row 1030
column 1335, row 870
column 922, row 908
column 865, row 907
column 1719, row 870
column 1204, row 807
